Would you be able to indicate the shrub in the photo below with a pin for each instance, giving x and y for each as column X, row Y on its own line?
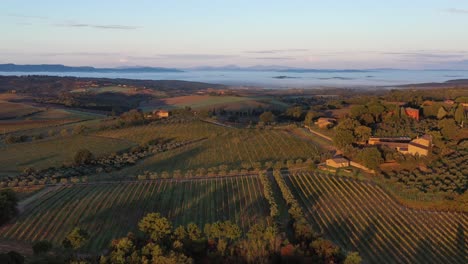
column 83, row 156
column 42, row 247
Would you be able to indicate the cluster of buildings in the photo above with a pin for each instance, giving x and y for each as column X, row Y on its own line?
column 420, row 146
column 158, row 114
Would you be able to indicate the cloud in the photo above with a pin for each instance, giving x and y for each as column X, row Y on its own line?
column 26, row 16
column 79, row 54
column 421, row 55
column 195, row 56
column 276, row 51
column 98, row 26
column 457, row 11
column 274, row 58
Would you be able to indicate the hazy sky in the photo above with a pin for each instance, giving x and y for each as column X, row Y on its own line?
column 176, row 33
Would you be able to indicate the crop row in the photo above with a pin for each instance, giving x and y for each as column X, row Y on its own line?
column 362, row 217
column 108, row 211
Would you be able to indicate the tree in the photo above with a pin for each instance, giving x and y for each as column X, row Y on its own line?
column 376, row 109
column 326, row 250
column 344, row 135
column 83, row 156
column 353, row 258
column 267, row 117
column 133, row 117
column 156, row 226
column 460, row 114
column 343, row 138
column 193, row 232
column 8, row 203
column 357, row 111
column 42, row 247
column 309, row 118
column 448, row 128
column 441, row 113
column 180, row 233
column 370, row 157
column 363, row 133
column 295, row 113
column 76, row 239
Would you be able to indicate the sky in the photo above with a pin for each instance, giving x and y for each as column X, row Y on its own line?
column 187, row 33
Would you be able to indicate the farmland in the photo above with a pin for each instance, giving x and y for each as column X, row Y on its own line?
column 54, row 152
column 9, row 126
column 225, row 146
column 44, row 120
column 111, row 210
column 361, row 216
column 9, row 110
column 229, row 103
column 176, row 131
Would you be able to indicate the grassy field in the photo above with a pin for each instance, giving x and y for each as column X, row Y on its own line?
column 54, row 152
column 230, row 103
column 177, row 132
column 361, row 217
column 10, row 110
column 8, row 126
column 64, row 114
column 45, row 119
column 224, row 146
column 109, row 211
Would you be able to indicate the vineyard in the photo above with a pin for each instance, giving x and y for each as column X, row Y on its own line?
column 109, row 211
column 235, row 148
column 361, row 216
column 175, row 131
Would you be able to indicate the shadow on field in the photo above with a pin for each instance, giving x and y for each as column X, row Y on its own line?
column 308, row 198
column 172, row 162
column 461, row 242
column 43, row 158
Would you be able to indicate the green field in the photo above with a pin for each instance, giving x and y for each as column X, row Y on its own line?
column 54, row 152
column 109, row 211
column 105, row 89
column 41, row 122
column 52, row 114
column 224, row 146
column 176, row 132
column 360, row 216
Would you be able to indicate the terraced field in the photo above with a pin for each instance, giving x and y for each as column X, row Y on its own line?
column 362, row 217
column 109, row 211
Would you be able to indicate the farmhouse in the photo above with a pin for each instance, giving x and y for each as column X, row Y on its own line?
column 337, row 162
column 161, row 113
column 324, row 122
column 412, row 113
column 405, row 145
column 391, row 142
column 420, row 146
column 157, row 114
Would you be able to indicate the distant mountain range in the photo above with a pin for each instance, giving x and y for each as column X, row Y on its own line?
column 62, row 68
column 143, row 69
column 276, row 68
